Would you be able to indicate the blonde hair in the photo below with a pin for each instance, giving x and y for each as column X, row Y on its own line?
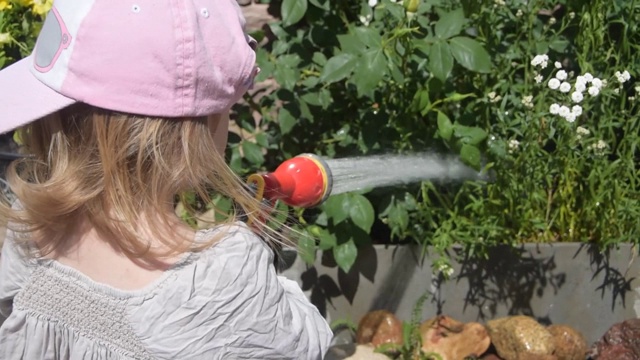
column 110, row 168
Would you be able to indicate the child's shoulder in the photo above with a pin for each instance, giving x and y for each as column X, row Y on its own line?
column 235, row 239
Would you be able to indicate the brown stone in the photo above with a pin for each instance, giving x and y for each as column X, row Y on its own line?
column 570, row 344
column 491, row 357
column 521, row 337
column 529, row 356
column 620, row 342
column 454, row 340
column 379, row 327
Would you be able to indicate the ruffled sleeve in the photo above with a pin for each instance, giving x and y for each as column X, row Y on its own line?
column 14, row 272
column 237, row 307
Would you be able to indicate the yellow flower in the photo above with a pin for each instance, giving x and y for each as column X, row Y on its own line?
column 38, row 7
column 5, row 38
column 5, row 4
column 41, row 7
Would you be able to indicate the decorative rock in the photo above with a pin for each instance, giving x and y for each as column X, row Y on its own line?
column 366, row 352
column 529, row 356
column 521, row 337
column 454, row 340
column 570, row 344
column 620, row 342
column 379, row 327
column 490, row 357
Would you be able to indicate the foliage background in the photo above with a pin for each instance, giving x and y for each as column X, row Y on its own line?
column 453, row 77
column 456, row 77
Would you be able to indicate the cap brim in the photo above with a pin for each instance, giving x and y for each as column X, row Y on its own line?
column 24, row 99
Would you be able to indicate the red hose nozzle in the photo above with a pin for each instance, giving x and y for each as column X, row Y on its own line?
column 303, row 181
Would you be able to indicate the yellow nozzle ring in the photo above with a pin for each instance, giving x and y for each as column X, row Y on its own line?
column 327, row 178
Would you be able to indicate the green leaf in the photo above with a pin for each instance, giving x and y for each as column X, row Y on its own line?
column 337, row 208
column 450, row 24
column 470, row 155
column 440, row 60
column 345, row 255
column 338, row 67
column 370, row 70
column 293, row 11
column 286, row 76
column 369, row 36
column 319, row 58
column 469, row 134
column 252, row 152
column 445, row 127
column 399, row 217
column 559, row 45
column 322, row 4
column 470, row 54
column 286, row 121
column 349, row 43
column 328, row 240
column 307, row 248
column 361, row 212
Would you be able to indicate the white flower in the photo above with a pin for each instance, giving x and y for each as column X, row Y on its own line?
column 527, row 101
column 561, row 75
column 616, row 91
column 622, row 77
column 588, row 77
column 637, row 88
column 580, row 86
column 599, row 147
column 593, row 90
column 552, row 21
column 576, row 96
column 564, row 111
column 577, row 110
column 554, row 84
column 597, row 83
column 565, row 87
column 572, row 15
column 519, row 13
column 540, row 60
column 513, row 145
column 554, row 109
column 582, row 131
column 571, row 117
column 365, row 20
column 538, row 78
column 558, row 65
column 373, row 3
column 631, row 98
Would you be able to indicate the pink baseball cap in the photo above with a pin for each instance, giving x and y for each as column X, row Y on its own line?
column 164, row 58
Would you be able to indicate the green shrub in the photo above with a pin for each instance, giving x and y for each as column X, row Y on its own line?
column 20, row 23
column 458, row 77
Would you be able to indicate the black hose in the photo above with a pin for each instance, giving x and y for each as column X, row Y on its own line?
column 10, row 156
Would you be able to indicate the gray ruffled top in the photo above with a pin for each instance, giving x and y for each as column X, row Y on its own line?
column 226, row 302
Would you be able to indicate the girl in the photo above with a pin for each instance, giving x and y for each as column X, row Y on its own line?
column 121, row 107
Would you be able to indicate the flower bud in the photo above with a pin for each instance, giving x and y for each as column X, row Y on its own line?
column 411, row 5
